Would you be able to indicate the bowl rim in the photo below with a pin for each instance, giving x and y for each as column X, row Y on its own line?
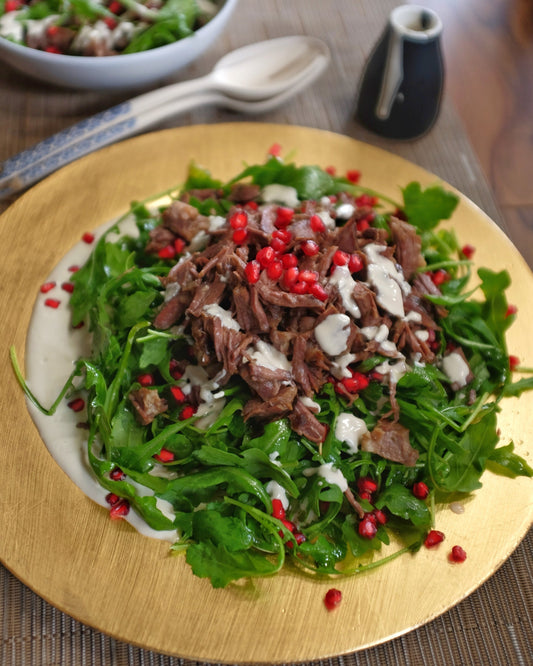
column 100, row 62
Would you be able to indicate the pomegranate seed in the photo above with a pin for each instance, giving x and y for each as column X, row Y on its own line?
column 179, row 245
column 146, row 379
column 116, row 474
column 87, row 237
column 177, row 394
column 355, row 263
column 275, row 150
column 317, row 225
column 433, row 538
column 457, row 555
column 76, row 405
column 54, row 49
column 238, row 220
column 362, row 225
column 289, row 261
column 46, row 287
column 290, row 276
column 288, row 524
column 167, row 252
column 511, row 310
column 380, row 516
column 353, row 175
column 187, row 412
column 284, row 217
column 308, row 276
column 112, row 499
column 310, row 248
column 252, row 271
column 110, row 22
column 115, row 7
column 239, row 236
column 275, row 270
column 439, row 277
column 367, row 527
column 119, row 510
column 331, row 170
column 365, row 495
column 332, row 599
column 341, row 258
column 283, row 235
column 365, row 483
column 366, row 200
column 174, row 369
column 277, row 509
column 514, row 362
column 318, row 291
column 252, row 205
column 468, row 251
column 11, row 5
column 299, row 288
column 357, row 382
column 278, row 245
column 164, row 456
column 68, row 287
column 265, row 256
column 420, row 490
column 74, row 268
column 299, row 537
column 52, row 303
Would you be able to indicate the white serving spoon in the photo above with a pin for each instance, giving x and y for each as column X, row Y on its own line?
column 255, row 78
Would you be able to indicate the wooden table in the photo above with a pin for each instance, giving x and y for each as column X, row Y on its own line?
column 494, row 624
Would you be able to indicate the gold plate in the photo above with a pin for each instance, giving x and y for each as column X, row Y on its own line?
column 103, row 573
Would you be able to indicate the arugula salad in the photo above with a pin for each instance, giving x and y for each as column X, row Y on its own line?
column 290, row 369
column 102, row 27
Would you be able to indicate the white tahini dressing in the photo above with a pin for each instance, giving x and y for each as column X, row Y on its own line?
column 10, row 27
column 386, row 279
column 349, row 429
column 225, row 317
column 330, row 474
column 277, row 491
column 332, row 334
column 455, row 368
column 395, row 370
column 269, row 357
column 343, row 280
column 345, row 211
column 310, row 404
column 280, row 194
column 339, row 368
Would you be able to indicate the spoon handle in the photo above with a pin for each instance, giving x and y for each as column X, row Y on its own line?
column 119, row 122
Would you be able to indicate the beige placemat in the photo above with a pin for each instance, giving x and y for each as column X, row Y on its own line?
column 494, row 624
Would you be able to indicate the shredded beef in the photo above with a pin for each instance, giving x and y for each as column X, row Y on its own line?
column 244, row 192
column 268, row 309
column 147, row 404
column 305, row 423
column 366, row 301
column 276, row 407
column 408, row 244
column 390, row 440
column 184, row 220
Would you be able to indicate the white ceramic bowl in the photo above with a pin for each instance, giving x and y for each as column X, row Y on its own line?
column 121, row 72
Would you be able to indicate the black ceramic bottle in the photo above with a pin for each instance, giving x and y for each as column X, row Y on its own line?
column 401, row 86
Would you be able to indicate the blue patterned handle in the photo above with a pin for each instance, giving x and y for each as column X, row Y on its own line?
column 59, row 142
column 33, row 164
